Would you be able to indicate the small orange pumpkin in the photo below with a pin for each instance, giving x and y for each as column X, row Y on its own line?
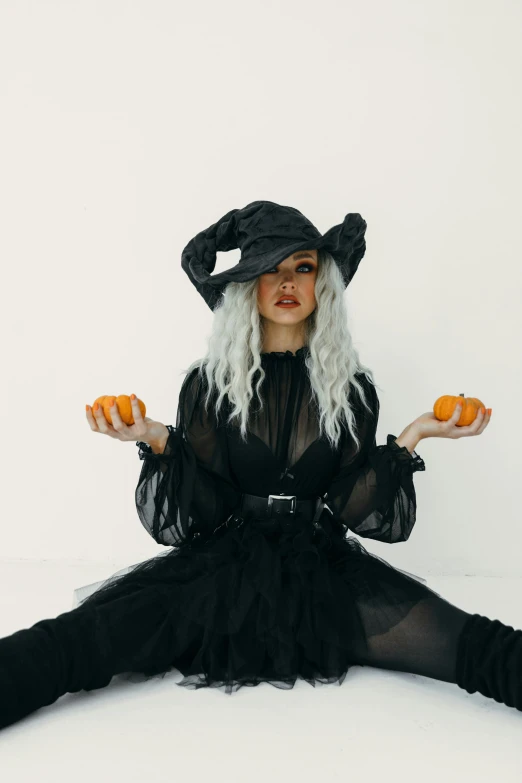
column 99, row 400
column 123, row 401
column 445, row 407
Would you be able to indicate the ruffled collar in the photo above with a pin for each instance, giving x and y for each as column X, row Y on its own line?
column 299, row 354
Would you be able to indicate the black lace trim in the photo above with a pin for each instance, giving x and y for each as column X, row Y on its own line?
column 402, row 454
column 300, row 353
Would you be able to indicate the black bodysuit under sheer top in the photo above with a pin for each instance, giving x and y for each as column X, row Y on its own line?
column 196, row 483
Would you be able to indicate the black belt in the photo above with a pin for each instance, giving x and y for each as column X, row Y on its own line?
column 281, row 511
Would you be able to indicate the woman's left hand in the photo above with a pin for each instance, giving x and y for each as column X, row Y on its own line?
column 428, row 426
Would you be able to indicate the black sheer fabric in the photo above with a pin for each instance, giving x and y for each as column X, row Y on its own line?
column 196, row 483
column 239, row 605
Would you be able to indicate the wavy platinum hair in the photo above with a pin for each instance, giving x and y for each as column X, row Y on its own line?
column 235, row 344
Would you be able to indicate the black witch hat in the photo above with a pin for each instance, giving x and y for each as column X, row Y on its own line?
column 267, row 233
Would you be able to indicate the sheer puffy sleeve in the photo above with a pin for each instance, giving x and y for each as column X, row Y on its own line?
column 372, row 492
column 188, row 490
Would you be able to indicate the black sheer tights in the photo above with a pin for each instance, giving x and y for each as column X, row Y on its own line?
column 424, row 642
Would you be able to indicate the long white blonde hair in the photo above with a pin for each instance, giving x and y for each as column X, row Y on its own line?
column 236, row 341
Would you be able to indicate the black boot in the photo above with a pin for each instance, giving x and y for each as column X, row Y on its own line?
column 82, row 650
column 489, row 660
column 53, row 657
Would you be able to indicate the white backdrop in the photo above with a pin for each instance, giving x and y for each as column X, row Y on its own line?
column 127, row 127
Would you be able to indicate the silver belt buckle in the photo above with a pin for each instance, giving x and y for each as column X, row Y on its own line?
column 292, row 498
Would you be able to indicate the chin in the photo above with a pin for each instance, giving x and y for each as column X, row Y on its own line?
column 288, row 316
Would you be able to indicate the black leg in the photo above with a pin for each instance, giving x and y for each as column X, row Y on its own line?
column 489, row 660
column 81, row 650
column 424, row 642
column 41, row 663
column 437, row 639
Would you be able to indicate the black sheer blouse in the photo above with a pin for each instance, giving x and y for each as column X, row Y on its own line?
column 196, row 483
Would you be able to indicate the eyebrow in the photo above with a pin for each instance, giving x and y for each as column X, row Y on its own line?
column 303, row 254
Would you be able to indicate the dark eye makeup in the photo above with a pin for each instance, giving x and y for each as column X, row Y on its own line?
column 310, row 267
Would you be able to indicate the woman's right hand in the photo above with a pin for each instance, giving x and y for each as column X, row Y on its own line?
column 143, row 429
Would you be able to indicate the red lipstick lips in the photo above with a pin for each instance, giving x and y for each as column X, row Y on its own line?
column 291, row 301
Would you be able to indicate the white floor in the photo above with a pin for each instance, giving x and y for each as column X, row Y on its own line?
column 379, row 725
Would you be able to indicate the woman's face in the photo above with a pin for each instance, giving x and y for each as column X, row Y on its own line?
column 295, row 276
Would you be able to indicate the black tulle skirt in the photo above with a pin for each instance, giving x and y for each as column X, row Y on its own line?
column 253, row 605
